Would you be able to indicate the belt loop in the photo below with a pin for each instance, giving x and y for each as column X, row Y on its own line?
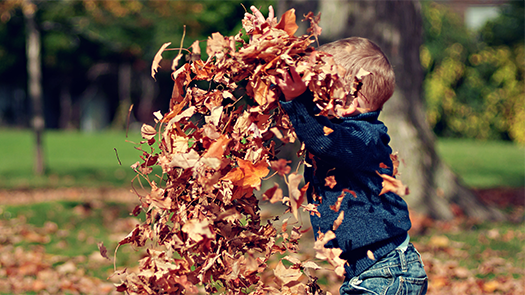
column 403, row 260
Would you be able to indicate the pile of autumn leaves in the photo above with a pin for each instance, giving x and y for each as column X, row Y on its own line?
column 203, row 225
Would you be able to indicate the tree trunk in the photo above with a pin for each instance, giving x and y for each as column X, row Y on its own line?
column 396, row 26
column 34, row 70
column 124, row 93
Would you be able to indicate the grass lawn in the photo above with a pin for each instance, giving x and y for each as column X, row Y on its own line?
column 89, row 159
column 72, row 159
column 485, row 164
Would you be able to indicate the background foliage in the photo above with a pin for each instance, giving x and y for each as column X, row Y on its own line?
column 474, row 85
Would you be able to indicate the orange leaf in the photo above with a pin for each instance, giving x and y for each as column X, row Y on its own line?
column 390, row 184
column 248, row 174
column 217, row 148
column 327, row 130
column 337, row 204
column 350, row 192
column 330, row 181
column 287, row 22
column 339, row 220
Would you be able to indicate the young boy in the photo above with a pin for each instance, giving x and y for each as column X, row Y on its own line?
column 373, row 234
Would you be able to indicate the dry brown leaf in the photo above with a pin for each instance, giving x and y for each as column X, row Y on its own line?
column 339, row 220
column 156, row 60
column 391, row 184
column 330, row 181
column 287, row 22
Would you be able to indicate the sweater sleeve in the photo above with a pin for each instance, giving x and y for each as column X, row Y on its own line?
column 344, row 143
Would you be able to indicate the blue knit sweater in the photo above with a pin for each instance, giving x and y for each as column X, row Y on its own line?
column 352, row 153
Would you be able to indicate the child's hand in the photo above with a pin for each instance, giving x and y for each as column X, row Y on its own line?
column 291, row 84
column 258, row 18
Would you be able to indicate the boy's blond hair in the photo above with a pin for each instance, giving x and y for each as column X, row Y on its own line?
column 357, row 53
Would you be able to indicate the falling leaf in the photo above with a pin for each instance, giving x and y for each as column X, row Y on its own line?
column 370, row 255
column 329, row 254
column 103, row 250
column 395, row 162
column 287, row 22
column 156, row 60
column 198, row 230
column 296, row 194
column 147, row 131
column 327, row 130
column 336, row 207
column 330, row 181
column 362, row 73
column 281, row 166
column 391, row 184
column 339, row 220
column 273, row 194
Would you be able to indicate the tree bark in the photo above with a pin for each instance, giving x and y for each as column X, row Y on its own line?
column 396, row 26
column 34, row 70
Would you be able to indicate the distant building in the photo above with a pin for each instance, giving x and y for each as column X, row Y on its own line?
column 475, row 13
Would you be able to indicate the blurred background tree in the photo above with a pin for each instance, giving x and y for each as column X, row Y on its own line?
column 474, row 85
column 96, row 58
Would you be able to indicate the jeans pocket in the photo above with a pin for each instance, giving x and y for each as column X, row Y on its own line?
column 412, row 286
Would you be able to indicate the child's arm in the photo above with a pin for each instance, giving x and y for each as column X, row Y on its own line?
column 343, row 144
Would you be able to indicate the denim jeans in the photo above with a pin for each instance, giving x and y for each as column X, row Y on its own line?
column 400, row 272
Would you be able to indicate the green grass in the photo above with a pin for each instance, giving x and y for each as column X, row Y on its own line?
column 89, row 159
column 484, row 164
column 72, row 159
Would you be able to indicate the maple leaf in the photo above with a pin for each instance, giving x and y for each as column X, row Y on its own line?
column 312, row 208
column 218, row 148
column 391, row 184
column 248, row 174
column 395, row 162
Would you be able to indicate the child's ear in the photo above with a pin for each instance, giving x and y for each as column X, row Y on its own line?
column 349, row 110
